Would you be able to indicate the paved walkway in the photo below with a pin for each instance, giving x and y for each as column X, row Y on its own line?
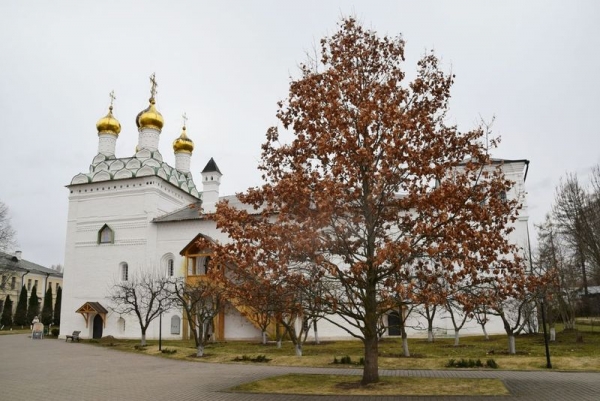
column 54, row 370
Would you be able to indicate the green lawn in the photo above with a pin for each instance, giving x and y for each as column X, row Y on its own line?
column 350, row 385
column 566, row 352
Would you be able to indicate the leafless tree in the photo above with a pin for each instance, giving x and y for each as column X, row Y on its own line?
column 553, row 256
column 7, row 233
column 202, row 301
column 145, row 295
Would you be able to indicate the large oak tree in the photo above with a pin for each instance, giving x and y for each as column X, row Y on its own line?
column 370, row 186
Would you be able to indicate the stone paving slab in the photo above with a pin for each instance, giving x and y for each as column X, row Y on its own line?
column 52, row 369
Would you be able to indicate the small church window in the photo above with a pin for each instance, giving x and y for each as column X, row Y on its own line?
column 170, row 268
column 175, row 324
column 13, row 283
column 124, row 272
column 106, row 235
column 121, row 325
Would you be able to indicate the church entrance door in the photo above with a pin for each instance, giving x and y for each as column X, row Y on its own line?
column 394, row 324
column 97, row 327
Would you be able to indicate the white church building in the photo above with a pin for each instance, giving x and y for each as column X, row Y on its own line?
column 139, row 213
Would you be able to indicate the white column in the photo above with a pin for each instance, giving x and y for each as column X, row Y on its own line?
column 182, row 161
column 107, row 143
column 148, row 139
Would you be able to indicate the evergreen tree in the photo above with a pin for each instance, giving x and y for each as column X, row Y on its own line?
column 47, row 308
column 21, row 312
column 57, row 306
column 33, row 309
column 7, row 320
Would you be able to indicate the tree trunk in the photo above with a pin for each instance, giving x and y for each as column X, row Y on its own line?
column 200, row 350
column 299, row 349
column 316, row 332
column 552, row 334
column 278, row 343
column 456, row 338
column 485, row 333
column 143, row 344
column 371, row 368
column 512, row 350
column 264, row 337
column 405, row 350
column 430, row 336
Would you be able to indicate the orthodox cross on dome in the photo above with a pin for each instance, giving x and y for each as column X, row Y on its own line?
column 154, row 85
column 112, row 98
column 185, row 118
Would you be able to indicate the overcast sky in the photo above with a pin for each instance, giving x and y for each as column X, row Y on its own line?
column 534, row 65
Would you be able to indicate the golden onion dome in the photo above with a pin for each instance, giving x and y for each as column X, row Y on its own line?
column 183, row 143
column 150, row 117
column 109, row 124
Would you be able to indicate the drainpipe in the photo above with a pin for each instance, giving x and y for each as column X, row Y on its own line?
column 22, row 282
column 46, row 289
column 23, row 278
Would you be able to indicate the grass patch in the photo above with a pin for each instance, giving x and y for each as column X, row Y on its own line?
column 566, row 353
column 350, row 385
column 7, row 331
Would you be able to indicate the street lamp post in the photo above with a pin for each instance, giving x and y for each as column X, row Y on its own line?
column 160, row 331
column 548, row 363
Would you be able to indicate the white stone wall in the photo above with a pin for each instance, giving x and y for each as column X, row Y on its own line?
column 128, row 207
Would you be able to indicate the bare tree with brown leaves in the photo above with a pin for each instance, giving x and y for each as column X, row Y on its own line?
column 368, row 179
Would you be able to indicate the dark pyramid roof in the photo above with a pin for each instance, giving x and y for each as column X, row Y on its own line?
column 211, row 167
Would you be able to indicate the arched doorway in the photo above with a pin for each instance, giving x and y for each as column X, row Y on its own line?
column 394, row 324
column 98, row 323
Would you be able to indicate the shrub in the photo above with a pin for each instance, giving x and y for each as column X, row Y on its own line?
column 246, row 358
column 55, row 332
column 168, row 351
column 346, row 360
column 470, row 363
column 490, row 363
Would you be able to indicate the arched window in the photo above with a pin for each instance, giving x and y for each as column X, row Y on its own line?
column 121, row 325
column 175, row 324
column 124, row 272
column 167, row 262
column 106, row 235
column 394, row 324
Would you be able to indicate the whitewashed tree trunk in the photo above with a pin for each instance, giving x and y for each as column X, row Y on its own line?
column 485, row 333
column 279, row 343
column 512, row 349
column 143, row 340
column 316, row 333
column 430, row 336
column 264, row 337
column 456, row 338
column 200, row 351
column 299, row 349
column 552, row 334
column 405, row 350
